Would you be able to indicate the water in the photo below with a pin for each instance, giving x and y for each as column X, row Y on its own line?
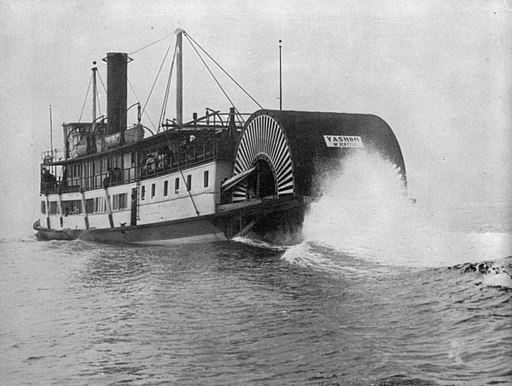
column 379, row 292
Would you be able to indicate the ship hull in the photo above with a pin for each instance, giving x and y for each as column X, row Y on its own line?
column 264, row 218
column 194, row 230
column 45, row 234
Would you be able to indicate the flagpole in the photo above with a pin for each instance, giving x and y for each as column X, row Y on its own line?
column 280, row 78
column 51, row 133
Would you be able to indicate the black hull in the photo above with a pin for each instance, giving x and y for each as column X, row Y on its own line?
column 267, row 219
column 45, row 234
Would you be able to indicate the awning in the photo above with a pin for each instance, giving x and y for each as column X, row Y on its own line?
column 228, row 184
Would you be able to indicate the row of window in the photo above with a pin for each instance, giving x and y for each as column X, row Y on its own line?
column 188, row 185
column 92, row 205
column 94, row 168
column 119, row 201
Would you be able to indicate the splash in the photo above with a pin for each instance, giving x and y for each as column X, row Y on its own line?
column 500, row 279
column 258, row 243
column 365, row 212
column 492, row 273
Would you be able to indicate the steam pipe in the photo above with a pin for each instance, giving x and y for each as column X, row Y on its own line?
column 117, row 64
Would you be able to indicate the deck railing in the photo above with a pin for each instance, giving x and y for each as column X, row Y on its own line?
column 54, row 155
column 151, row 167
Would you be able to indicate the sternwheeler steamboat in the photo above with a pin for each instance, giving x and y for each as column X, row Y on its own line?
column 214, row 177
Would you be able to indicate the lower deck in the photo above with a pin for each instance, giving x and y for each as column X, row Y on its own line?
column 268, row 218
column 175, row 196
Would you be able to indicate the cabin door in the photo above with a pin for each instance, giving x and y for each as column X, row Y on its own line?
column 133, row 219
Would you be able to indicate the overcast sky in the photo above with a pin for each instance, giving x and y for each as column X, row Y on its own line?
column 439, row 72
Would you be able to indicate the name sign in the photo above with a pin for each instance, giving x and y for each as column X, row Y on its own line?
column 343, row 141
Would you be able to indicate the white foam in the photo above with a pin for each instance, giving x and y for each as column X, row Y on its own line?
column 365, row 211
column 303, row 255
column 501, row 279
column 258, row 243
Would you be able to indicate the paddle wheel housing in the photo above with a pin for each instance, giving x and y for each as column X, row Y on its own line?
column 282, row 153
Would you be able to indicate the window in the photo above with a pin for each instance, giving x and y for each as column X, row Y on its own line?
column 71, row 207
column 206, row 176
column 143, row 193
column 100, row 205
column 189, row 182
column 153, row 190
column 43, row 207
column 166, row 187
column 53, row 207
column 177, row 184
column 123, row 202
column 119, row 201
column 89, row 205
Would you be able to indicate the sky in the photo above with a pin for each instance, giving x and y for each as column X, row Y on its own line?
column 438, row 72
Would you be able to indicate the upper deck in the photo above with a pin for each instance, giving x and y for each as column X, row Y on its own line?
column 93, row 160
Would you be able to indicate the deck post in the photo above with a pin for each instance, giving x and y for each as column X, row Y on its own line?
column 60, row 210
column 84, row 209
column 109, row 208
column 47, row 211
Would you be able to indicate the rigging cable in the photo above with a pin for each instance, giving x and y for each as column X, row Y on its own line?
column 225, row 72
column 98, row 99
column 103, row 84
column 150, row 44
column 188, row 189
column 213, row 76
column 99, row 105
column 166, row 95
column 162, row 115
column 134, row 93
column 163, row 61
column 143, row 112
column 104, row 88
column 169, row 143
column 156, row 78
column 85, row 99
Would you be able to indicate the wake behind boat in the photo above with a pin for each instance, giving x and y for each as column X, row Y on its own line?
column 212, row 178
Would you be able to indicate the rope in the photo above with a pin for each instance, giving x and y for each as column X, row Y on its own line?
column 150, row 44
column 99, row 104
column 85, row 99
column 166, row 95
column 156, row 78
column 188, row 187
column 211, row 73
column 97, row 92
column 169, row 143
column 143, row 112
column 101, row 81
column 225, row 72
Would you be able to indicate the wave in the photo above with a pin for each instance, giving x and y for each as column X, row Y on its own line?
column 364, row 211
column 491, row 273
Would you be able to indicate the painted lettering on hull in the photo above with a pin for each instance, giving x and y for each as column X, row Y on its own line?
column 343, row 141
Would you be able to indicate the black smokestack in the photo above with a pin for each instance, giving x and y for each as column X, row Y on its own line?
column 117, row 66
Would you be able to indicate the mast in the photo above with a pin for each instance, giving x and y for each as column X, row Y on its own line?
column 179, row 77
column 94, row 91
